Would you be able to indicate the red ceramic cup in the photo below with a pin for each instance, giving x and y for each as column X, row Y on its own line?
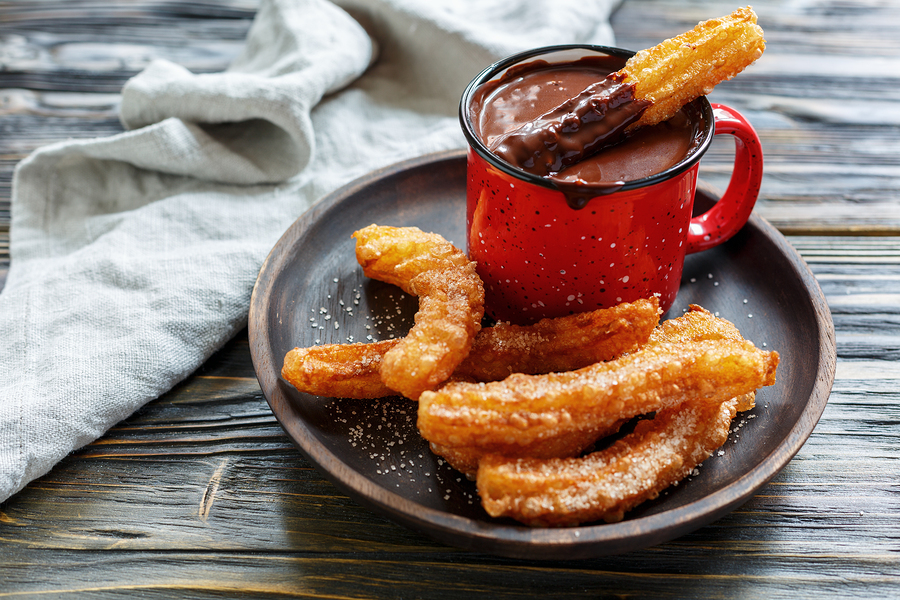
column 538, row 257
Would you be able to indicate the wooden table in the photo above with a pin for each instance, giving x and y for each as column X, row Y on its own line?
column 201, row 494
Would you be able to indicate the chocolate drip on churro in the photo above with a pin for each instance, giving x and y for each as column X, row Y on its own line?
column 594, row 119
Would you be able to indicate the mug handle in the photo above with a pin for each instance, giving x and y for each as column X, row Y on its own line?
column 733, row 209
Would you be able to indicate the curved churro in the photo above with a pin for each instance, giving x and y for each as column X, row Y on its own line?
column 466, row 459
column 513, row 416
column 606, row 484
column 652, row 86
column 339, row 370
column 522, row 414
column 562, row 344
column 451, row 303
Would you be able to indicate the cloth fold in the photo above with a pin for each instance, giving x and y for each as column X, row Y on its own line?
column 134, row 256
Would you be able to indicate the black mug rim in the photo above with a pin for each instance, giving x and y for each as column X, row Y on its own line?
column 474, row 141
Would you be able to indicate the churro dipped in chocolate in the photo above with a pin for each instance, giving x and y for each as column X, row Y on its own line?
column 654, row 84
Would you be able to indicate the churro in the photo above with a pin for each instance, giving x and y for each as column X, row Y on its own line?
column 451, row 303
column 605, row 484
column 339, row 370
column 690, row 65
column 652, row 87
column 562, row 344
column 520, row 415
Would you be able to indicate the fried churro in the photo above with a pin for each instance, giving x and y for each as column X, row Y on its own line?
column 690, row 65
column 562, row 344
column 605, row 484
column 522, row 414
column 339, row 370
column 451, row 303
column 652, row 87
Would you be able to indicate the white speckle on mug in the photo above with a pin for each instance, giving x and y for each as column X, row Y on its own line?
column 570, row 297
column 613, row 245
column 625, row 279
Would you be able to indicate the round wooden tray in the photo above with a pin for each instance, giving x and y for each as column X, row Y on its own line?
column 311, row 291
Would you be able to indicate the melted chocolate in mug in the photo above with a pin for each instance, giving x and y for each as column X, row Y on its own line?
column 573, row 109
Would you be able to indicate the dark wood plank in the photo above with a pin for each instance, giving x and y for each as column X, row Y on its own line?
column 200, row 493
column 207, row 575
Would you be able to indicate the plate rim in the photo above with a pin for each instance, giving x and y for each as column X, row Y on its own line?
column 519, row 541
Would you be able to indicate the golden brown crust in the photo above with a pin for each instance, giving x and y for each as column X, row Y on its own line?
column 690, row 65
column 605, row 484
column 695, row 325
column 566, row 343
column 466, row 459
column 339, row 370
column 451, row 303
column 694, row 357
column 513, row 416
column 560, row 344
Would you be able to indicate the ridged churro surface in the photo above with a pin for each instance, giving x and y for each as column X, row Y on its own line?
column 690, row 65
column 606, row 484
column 562, row 344
column 451, row 303
column 339, row 370
column 525, row 415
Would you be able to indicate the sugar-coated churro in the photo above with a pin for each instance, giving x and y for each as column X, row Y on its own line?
column 653, row 85
column 451, row 303
column 690, row 65
column 694, row 357
column 562, row 344
column 605, row 484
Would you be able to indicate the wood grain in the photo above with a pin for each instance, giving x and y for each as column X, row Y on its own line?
column 200, row 494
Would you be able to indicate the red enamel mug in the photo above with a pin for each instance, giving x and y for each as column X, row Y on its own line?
column 540, row 257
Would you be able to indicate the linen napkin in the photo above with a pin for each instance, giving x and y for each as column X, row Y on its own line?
column 134, row 256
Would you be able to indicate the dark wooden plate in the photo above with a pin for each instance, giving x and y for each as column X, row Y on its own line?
column 311, row 290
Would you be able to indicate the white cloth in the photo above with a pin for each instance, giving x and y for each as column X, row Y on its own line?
column 134, row 256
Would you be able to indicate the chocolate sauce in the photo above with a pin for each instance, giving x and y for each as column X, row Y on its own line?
column 577, row 128
column 567, row 123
